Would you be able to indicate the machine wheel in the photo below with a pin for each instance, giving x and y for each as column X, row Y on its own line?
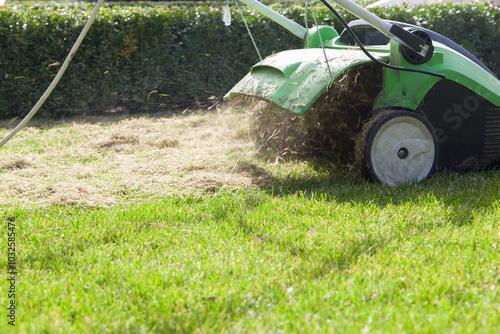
column 399, row 147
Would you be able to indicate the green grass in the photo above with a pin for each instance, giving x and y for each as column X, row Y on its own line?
column 313, row 251
column 235, row 244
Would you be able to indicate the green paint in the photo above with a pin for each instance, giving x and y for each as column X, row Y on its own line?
column 294, row 79
column 326, row 33
column 407, row 89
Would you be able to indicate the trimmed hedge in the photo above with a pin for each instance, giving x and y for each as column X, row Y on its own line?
column 153, row 56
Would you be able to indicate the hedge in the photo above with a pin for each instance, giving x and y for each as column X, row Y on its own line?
column 151, row 56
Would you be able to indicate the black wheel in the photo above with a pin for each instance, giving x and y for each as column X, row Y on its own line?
column 399, row 147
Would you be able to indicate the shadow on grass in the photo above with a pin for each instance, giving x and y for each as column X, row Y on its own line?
column 459, row 196
column 326, row 259
column 102, row 118
column 461, row 193
column 348, row 256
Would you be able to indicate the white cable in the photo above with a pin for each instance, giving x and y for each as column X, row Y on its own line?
column 248, row 29
column 54, row 83
column 307, row 37
column 321, row 41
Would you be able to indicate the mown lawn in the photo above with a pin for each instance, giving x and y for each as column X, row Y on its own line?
column 310, row 250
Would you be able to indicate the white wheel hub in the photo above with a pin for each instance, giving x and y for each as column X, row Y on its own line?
column 402, row 151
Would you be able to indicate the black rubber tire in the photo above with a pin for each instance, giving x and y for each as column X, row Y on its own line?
column 367, row 167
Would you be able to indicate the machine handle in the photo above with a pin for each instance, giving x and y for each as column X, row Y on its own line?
column 290, row 25
column 392, row 31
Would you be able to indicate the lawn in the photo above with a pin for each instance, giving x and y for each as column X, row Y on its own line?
column 173, row 223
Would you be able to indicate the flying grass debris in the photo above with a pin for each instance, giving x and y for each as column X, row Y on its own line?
column 329, row 129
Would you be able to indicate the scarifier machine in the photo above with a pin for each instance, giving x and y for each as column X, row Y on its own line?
column 438, row 106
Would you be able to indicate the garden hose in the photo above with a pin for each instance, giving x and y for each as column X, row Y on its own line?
column 60, row 73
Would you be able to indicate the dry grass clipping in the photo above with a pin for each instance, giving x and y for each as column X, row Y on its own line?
column 329, row 128
column 103, row 161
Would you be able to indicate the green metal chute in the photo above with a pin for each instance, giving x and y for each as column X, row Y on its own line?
column 294, row 79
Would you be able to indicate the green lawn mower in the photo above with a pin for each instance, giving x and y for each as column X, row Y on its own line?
column 436, row 107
